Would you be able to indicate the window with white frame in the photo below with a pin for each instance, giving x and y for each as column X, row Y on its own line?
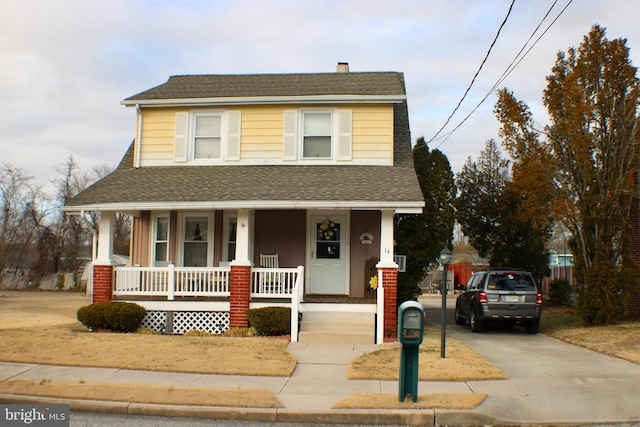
column 317, row 130
column 195, row 241
column 322, row 135
column 230, row 231
column 160, row 254
column 207, row 136
column 207, row 131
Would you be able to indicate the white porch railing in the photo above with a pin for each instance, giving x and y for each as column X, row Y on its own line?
column 171, row 281
column 274, row 282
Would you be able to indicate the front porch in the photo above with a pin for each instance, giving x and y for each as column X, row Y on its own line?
column 180, row 299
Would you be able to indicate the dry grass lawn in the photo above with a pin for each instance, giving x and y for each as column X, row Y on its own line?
column 620, row 340
column 427, row 401
column 199, row 396
column 40, row 327
column 461, row 364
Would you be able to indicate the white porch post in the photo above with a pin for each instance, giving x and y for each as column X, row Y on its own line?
column 387, row 282
column 386, row 240
column 105, row 239
column 242, row 238
column 102, row 265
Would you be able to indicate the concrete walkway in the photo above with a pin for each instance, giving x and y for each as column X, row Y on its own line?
column 550, row 382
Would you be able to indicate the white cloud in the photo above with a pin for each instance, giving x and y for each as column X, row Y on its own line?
column 66, row 65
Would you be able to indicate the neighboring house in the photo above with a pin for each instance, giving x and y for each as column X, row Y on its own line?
column 227, row 168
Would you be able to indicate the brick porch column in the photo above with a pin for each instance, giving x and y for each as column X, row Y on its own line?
column 240, row 289
column 102, row 283
column 390, row 285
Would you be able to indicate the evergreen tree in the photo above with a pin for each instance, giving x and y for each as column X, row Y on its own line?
column 422, row 237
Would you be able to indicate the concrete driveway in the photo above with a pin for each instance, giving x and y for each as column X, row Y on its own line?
column 548, row 379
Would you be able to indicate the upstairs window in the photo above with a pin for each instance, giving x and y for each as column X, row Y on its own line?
column 207, row 136
column 317, row 135
column 203, row 136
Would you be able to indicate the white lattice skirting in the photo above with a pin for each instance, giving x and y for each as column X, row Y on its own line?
column 213, row 322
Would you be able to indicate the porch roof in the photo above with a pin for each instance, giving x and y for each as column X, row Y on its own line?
column 261, row 186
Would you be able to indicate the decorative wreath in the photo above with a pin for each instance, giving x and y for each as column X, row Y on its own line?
column 329, row 230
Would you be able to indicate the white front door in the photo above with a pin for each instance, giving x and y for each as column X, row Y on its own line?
column 328, row 263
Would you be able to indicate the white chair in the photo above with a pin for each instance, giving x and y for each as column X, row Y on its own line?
column 269, row 281
column 269, row 261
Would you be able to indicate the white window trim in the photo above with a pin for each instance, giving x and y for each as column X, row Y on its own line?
column 225, row 233
column 154, row 234
column 341, row 136
column 182, row 217
column 334, row 134
column 191, row 143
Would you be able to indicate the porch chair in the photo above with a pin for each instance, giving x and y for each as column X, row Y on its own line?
column 269, row 261
column 269, row 281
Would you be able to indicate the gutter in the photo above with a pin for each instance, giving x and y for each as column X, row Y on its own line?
column 317, row 99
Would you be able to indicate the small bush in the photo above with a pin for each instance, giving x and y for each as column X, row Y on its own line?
column 114, row 316
column 270, row 321
column 560, row 292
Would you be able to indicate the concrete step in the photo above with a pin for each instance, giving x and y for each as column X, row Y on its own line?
column 337, row 327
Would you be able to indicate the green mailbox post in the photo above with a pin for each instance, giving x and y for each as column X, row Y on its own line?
column 410, row 334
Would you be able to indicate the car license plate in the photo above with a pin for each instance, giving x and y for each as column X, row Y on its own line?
column 512, row 298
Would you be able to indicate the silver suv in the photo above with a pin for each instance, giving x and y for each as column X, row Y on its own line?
column 507, row 296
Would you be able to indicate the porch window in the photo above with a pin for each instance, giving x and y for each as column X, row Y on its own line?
column 316, row 134
column 161, row 241
column 230, row 230
column 196, row 241
column 207, row 136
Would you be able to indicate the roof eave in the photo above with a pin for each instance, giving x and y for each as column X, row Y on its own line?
column 316, row 99
column 405, row 207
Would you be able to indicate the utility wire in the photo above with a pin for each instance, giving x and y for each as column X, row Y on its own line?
column 477, row 73
column 512, row 66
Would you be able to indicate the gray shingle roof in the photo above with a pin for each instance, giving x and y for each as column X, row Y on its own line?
column 129, row 186
column 274, row 85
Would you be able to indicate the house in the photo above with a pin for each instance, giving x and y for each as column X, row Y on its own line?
column 225, row 169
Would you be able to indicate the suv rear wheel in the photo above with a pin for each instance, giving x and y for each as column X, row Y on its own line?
column 476, row 323
column 533, row 327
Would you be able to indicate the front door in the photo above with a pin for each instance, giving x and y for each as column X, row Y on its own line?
column 328, row 264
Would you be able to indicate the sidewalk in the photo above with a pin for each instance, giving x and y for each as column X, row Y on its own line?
column 319, row 381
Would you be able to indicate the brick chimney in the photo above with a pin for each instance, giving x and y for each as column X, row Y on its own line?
column 343, row 67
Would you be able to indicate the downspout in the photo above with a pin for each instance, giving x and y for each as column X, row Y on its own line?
column 138, row 136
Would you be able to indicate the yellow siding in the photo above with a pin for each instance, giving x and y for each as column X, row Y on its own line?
column 262, row 133
column 158, row 128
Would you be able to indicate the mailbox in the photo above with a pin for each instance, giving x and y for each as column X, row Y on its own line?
column 410, row 323
column 410, row 334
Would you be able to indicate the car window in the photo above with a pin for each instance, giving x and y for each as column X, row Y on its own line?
column 510, row 282
column 474, row 282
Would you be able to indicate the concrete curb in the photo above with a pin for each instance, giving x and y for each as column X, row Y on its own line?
column 418, row 417
column 339, row 416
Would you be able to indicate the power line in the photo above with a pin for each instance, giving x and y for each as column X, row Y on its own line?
column 512, row 66
column 495, row 39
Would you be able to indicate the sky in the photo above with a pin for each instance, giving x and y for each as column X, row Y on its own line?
column 65, row 65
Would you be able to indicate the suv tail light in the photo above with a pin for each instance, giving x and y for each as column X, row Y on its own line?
column 539, row 299
column 483, row 298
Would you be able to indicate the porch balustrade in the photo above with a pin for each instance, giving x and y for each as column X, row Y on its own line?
column 273, row 282
column 172, row 282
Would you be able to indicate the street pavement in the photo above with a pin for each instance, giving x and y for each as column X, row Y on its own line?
column 550, row 382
